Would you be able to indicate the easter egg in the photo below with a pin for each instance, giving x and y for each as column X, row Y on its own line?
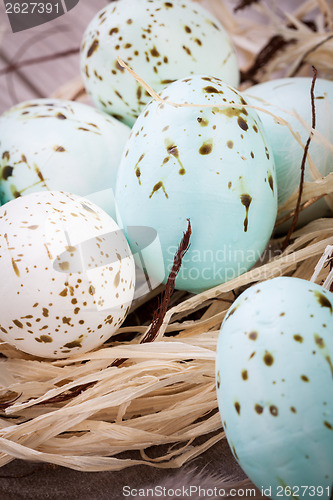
column 54, row 144
column 283, row 97
column 161, row 41
column 274, row 370
column 211, row 165
column 67, row 274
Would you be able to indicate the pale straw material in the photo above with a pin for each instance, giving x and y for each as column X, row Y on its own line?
column 164, row 393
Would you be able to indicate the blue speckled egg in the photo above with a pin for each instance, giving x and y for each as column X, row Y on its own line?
column 55, row 144
column 274, row 370
column 211, row 165
column 161, row 41
column 293, row 94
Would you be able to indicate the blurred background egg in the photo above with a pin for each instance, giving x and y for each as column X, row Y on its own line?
column 54, row 144
column 211, row 165
column 161, row 41
column 67, row 274
column 293, row 94
column 274, row 370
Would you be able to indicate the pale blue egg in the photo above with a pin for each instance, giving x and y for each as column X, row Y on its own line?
column 274, row 371
column 56, row 144
column 211, row 165
column 293, row 94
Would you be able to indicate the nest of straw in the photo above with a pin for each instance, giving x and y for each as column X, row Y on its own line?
column 83, row 412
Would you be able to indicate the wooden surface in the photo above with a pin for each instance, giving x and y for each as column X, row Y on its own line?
column 42, row 79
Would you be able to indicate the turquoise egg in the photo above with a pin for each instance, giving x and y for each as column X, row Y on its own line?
column 274, row 371
column 56, row 144
column 211, row 165
column 293, row 95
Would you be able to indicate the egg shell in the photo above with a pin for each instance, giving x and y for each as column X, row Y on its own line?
column 67, row 274
column 161, row 41
column 211, row 165
column 274, row 384
column 293, row 95
column 55, row 144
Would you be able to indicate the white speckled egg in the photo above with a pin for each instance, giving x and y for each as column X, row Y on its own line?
column 293, row 94
column 274, row 370
column 211, row 165
column 62, row 145
column 161, row 41
column 67, row 274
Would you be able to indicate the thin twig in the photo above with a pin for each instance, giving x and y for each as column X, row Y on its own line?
column 244, row 3
column 307, row 53
column 37, row 60
column 304, row 205
column 306, row 149
column 274, row 45
column 160, row 312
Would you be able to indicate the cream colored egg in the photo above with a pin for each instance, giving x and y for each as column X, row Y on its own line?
column 67, row 274
column 161, row 41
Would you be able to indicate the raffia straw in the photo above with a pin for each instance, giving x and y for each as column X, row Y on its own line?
column 158, row 396
column 164, row 394
column 326, row 258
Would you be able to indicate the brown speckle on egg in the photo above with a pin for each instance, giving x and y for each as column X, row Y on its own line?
column 7, row 172
column 93, row 47
column 259, row 409
column 242, row 123
column 268, row 359
column 157, row 187
column 246, row 200
column 206, row 148
column 237, row 407
column 273, row 410
column 218, row 379
column 323, row 301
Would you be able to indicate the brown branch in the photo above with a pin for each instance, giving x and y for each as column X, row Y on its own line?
column 306, row 149
column 307, row 53
column 245, row 3
column 304, row 205
column 37, row 60
column 275, row 44
column 160, row 312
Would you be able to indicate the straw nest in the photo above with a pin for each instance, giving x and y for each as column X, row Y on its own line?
column 82, row 412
